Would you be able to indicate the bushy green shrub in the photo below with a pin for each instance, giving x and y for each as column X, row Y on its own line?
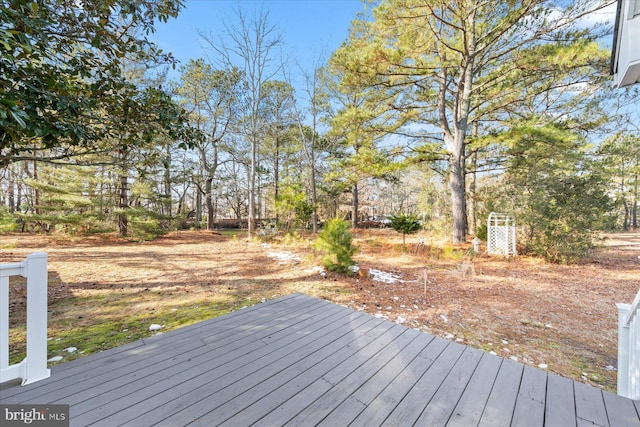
column 482, row 232
column 293, row 207
column 405, row 224
column 145, row 224
column 7, row 221
column 557, row 191
column 559, row 244
column 335, row 240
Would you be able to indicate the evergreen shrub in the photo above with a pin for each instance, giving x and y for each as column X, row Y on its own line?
column 336, row 241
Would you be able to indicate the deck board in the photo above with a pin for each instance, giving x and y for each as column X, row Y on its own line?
column 298, row 360
column 502, row 400
column 471, row 405
column 530, row 401
column 620, row 412
column 560, row 409
column 441, row 407
column 425, row 387
column 352, row 373
column 220, row 374
column 590, row 408
column 376, row 412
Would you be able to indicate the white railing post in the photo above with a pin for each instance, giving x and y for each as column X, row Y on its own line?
column 36, row 266
column 4, row 323
column 34, row 366
column 623, row 351
column 629, row 349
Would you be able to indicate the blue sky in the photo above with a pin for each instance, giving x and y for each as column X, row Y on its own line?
column 308, row 26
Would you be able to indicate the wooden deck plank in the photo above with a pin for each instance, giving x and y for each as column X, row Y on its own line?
column 439, row 410
column 298, row 360
column 74, row 374
column 215, row 370
column 620, row 412
column 252, row 397
column 590, row 406
column 529, row 410
column 408, row 410
column 502, row 400
column 471, row 405
column 311, row 387
column 263, row 399
column 308, row 388
column 145, row 380
column 388, row 331
column 179, row 335
column 352, row 373
column 224, row 390
column 560, row 409
column 158, row 367
column 637, row 405
column 366, row 392
column 377, row 411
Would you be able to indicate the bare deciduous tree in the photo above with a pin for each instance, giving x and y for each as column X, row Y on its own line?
column 251, row 46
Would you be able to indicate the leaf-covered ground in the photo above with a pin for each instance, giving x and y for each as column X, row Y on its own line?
column 105, row 292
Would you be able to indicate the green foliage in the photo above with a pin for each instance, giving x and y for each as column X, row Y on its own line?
column 423, row 64
column 7, row 221
column 558, row 194
column 564, row 215
column 292, row 238
column 292, row 204
column 405, row 224
column 482, row 232
column 67, row 201
column 620, row 160
column 304, row 210
column 145, row 224
column 61, row 70
column 335, row 240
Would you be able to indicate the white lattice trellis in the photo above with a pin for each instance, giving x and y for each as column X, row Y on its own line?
column 501, row 235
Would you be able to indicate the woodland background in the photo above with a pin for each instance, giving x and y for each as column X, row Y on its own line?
column 446, row 111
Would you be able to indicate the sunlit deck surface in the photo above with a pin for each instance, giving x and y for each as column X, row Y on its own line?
column 299, row 360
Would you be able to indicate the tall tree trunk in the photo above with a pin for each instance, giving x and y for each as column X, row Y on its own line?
column 472, row 219
column 19, row 195
column 11, row 189
column 36, row 201
column 473, row 202
column 458, row 202
column 354, row 208
column 276, row 176
column 251, row 223
column 123, row 193
column 634, row 209
column 167, row 182
column 627, row 210
column 455, row 129
column 123, row 204
column 198, row 207
column 314, row 197
column 208, row 186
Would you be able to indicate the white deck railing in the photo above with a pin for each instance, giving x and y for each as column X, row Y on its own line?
column 629, row 349
column 34, row 366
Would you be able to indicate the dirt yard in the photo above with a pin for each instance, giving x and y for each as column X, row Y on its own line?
column 106, row 291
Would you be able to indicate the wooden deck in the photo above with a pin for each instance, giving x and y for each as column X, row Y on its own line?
column 302, row 361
